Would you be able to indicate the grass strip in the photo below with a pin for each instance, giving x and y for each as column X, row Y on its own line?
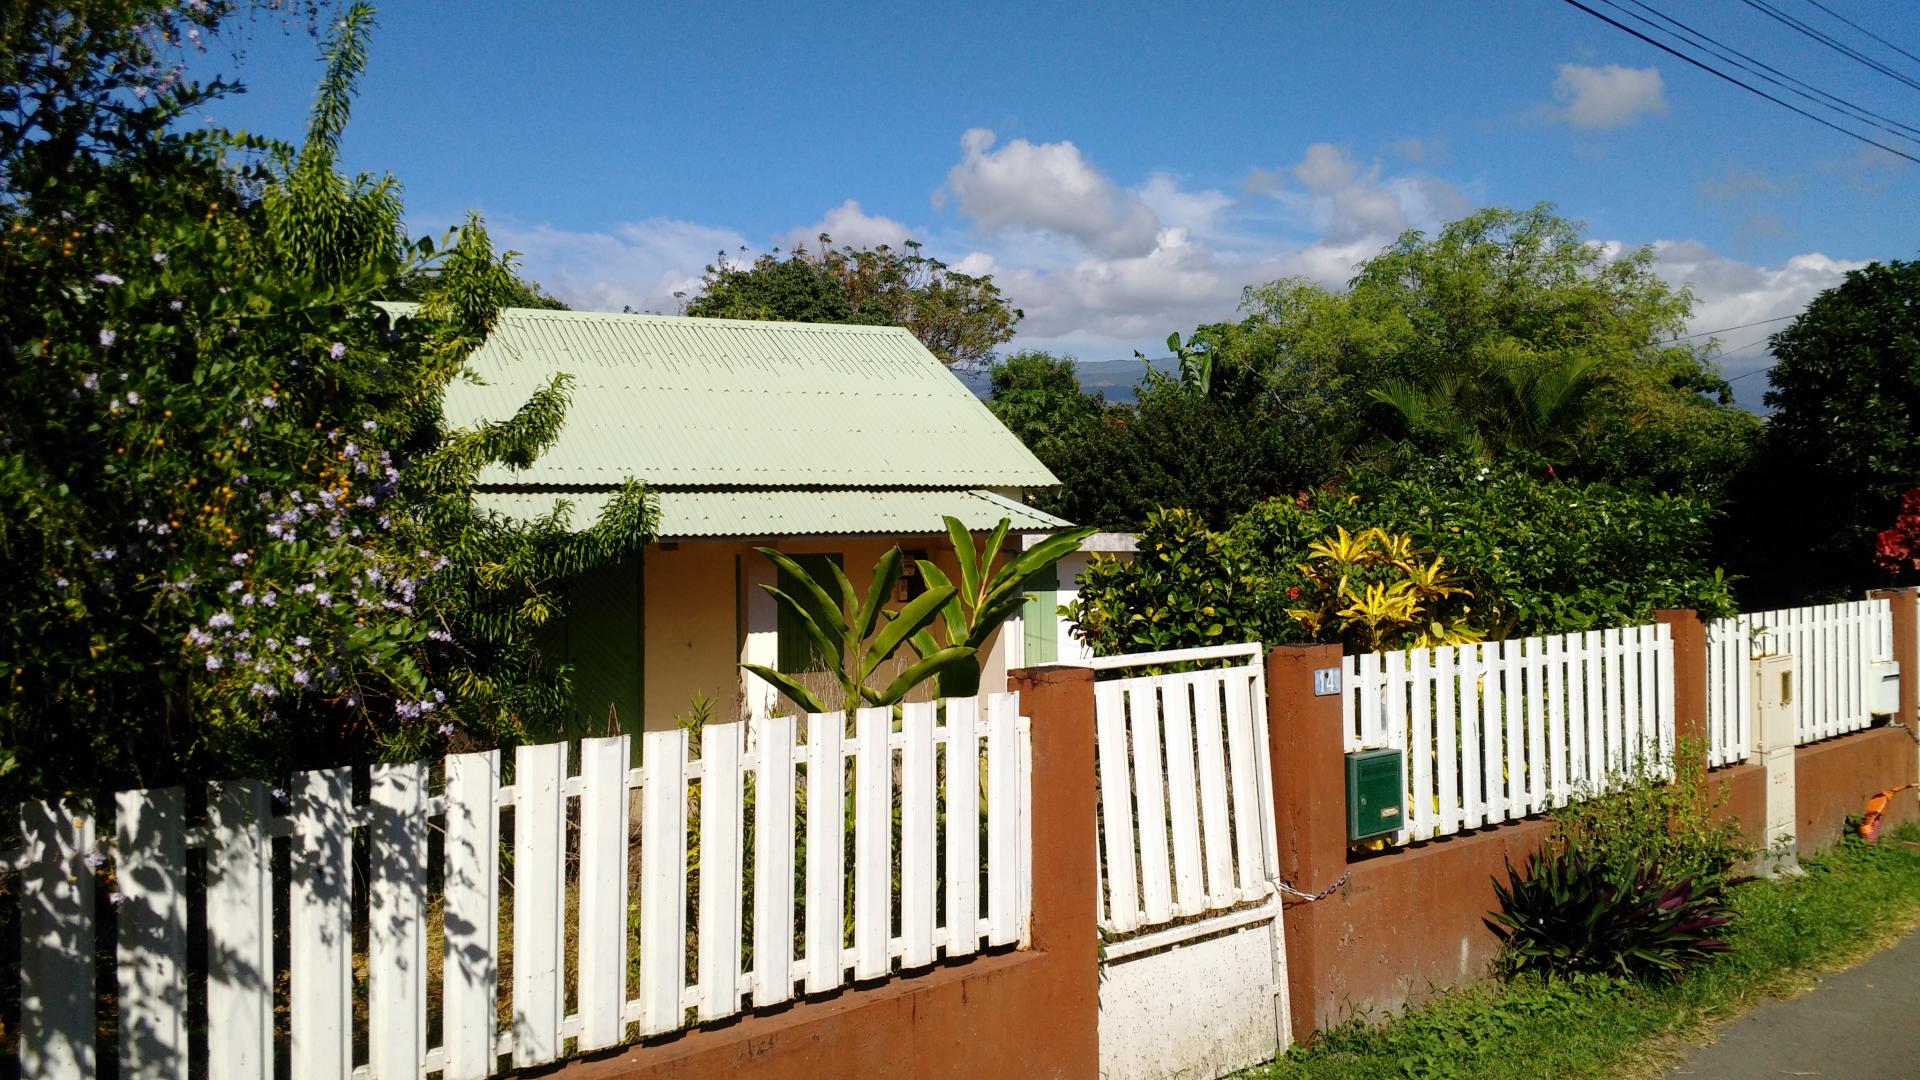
column 1854, row 901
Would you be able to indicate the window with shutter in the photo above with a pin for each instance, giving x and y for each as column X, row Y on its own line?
column 798, row 651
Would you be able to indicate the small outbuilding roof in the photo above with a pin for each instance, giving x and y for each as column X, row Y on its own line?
column 749, row 429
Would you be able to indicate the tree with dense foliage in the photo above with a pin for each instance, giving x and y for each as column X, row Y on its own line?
column 238, row 533
column 1843, row 443
column 960, row 318
column 1444, row 550
column 1507, row 333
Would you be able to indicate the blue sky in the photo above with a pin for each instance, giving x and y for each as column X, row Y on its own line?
column 1123, row 170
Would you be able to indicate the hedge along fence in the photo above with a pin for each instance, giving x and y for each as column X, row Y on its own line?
column 929, row 817
column 1498, row 731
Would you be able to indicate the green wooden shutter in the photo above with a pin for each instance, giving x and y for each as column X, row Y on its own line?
column 1037, row 617
column 798, row 652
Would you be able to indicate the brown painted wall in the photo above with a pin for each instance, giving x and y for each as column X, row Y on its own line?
column 1408, row 924
column 1834, row 779
column 1030, row 1014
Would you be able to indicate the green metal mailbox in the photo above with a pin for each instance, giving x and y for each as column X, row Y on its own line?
column 1375, row 782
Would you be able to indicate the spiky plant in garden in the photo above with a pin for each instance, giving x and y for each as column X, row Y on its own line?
column 238, row 533
column 1567, row 915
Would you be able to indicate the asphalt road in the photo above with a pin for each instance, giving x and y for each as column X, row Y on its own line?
column 1862, row 1022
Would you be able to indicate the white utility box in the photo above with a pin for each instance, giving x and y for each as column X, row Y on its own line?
column 1773, row 721
column 1883, row 681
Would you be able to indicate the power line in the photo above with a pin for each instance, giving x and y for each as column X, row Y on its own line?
column 1717, row 73
column 1864, row 30
column 1845, row 50
column 1761, row 68
column 1724, row 329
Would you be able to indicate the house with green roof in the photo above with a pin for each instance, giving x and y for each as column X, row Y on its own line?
column 830, row 443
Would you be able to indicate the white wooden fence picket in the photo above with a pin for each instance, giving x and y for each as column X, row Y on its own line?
column 1834, row 647
column 1498, row 731
column 1729, row 692
column 1186, row 789
column 956, row 769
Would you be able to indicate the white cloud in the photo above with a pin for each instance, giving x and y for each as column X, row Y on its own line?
column 1731, row 293
column 639, row 264
column 849, row 226
column 1607, row 97
column 1866, row 169
column 1347, row 201
column 1046, row 187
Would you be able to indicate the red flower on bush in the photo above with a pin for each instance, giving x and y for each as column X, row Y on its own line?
column 1898, row 548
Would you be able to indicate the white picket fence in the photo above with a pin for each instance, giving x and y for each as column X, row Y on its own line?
column 950, row 782
column 1834, row 648
column 1729, row 692
column 1186, row 788
column 1499, row 731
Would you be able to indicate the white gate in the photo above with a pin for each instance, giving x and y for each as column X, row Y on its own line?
column 1194, row 977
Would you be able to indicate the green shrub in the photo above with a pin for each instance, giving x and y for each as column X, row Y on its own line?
column 1185, row 586
column 1573, row 914
column 1631, row 883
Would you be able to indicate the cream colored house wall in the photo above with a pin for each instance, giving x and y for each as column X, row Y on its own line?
column 704, row 615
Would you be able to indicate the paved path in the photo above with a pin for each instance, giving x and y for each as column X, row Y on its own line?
column 1862, row 1022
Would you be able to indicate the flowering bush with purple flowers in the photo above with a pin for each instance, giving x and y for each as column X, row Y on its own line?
column 236, row 533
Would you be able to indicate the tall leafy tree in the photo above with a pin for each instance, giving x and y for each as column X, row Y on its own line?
column 960, row 318
column 1843, row 443
column 238, row 530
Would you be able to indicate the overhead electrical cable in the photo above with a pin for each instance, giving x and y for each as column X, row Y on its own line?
column 1766, row 72
column 1864, row 30
column 1724, row 329
column 1717, row 73
column 1837, row 46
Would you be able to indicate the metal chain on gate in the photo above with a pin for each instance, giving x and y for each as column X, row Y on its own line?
column 1308, row 897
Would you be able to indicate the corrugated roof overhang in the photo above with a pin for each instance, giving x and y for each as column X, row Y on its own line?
column 752, row 513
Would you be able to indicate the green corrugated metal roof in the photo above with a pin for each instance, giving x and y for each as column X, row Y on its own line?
column 678, row 401
column 694, row 514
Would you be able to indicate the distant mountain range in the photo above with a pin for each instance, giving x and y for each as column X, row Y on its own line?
column 1114, row 378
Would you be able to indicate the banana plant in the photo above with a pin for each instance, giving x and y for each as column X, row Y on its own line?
column 984, row 598
column 853, row 637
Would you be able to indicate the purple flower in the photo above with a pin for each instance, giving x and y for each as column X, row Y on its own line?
column 160, row 257
column 368, row 425
column 220, row 621
column 91, row 382
column 446, row 729
column 300, row 678
column 302, row 641
column 133, row 397
column 236, row 585
column 337, row 350
column 109, row 279
column 213, row 663
column 116, row 899
column 279, row 793
column 323, row 599
column 269, row 599
column 270, row 402
column 95, row 860
column 175, row 305
column 107, row 338
column 246, row 600
column 239, row 558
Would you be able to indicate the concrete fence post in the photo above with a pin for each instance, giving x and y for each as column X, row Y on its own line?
column 1309, row 803
column 1689, row 673
column 1066, row 874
